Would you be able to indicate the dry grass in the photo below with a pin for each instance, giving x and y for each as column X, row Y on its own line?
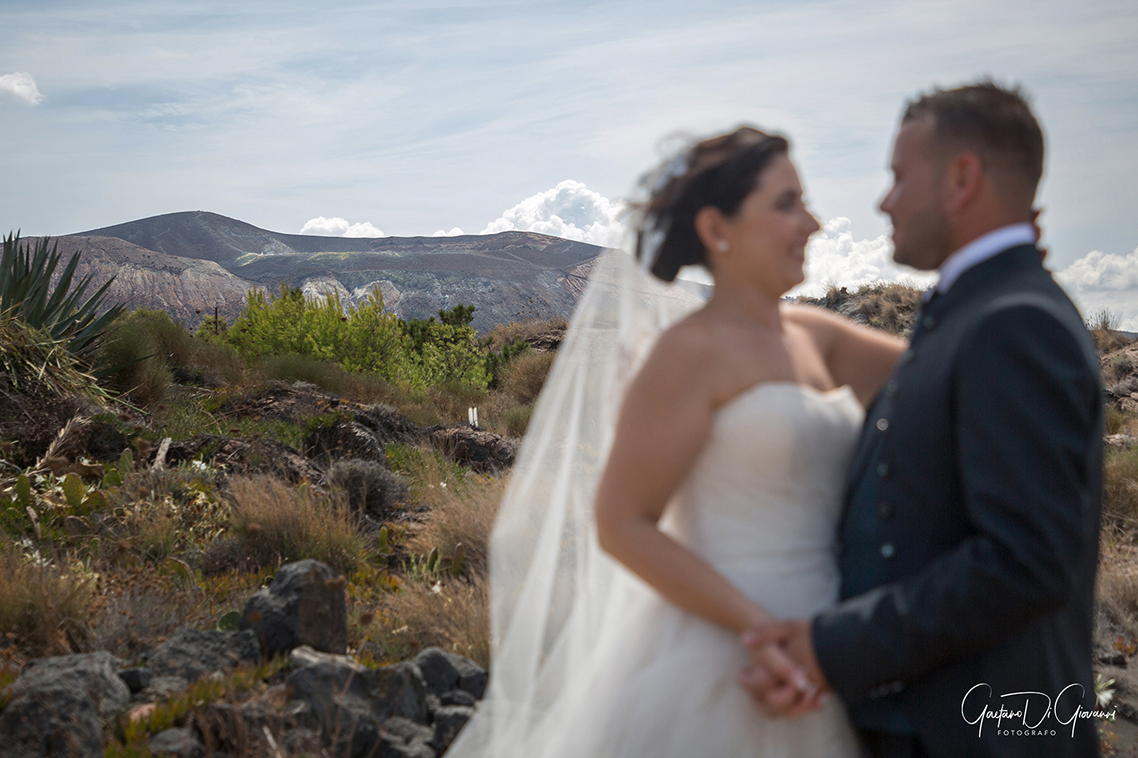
column 1103, row 327
column 44, row 608
column 278, row 523
column 461, row 511
column 144, row 607
column 888, row 306
column 453, row 614
column 541, row 334
column 330, row 377
column 522, row 379
column 1120, row 492
column 1116, row 591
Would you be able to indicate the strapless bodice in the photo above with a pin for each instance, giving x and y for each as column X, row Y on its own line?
column 763, row 501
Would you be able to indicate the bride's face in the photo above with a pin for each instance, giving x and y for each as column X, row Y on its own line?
column 766, row 238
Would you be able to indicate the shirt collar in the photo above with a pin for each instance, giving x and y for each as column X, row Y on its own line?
column 981, row 249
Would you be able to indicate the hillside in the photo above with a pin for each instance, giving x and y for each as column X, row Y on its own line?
column 508, row 276
column 186, row 288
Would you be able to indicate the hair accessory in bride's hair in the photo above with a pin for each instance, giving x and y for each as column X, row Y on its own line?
column 719, row 172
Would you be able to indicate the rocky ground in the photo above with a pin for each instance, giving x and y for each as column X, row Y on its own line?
column 310, row 699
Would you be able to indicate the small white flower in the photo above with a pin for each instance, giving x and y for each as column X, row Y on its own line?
column 1104, row 691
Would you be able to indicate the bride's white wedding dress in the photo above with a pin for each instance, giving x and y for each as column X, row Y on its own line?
column 761, row 506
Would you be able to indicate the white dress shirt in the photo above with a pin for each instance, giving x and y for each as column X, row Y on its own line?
column 981, row 249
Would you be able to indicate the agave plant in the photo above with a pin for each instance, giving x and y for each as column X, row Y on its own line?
column 26, row 293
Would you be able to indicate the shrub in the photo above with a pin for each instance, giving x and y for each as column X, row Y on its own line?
column 1103, row 327
column 369, row 487
column 278, row 523
column 43, row 607
column 462, row 506
column 523, row 378
column 1120, row 490
column 453, row 615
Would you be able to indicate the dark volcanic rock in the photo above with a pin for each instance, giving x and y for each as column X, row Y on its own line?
column 193, row 653
column 444, row 671
column 179, row 742
column 361, row 710
column 57, row 705
column 344, row 439
column 482, row 451
column 246, row 456
column 304, row 605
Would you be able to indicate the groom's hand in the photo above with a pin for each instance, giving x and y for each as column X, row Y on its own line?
column 774, row 692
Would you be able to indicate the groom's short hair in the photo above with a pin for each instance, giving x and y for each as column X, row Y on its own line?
column 995, row 123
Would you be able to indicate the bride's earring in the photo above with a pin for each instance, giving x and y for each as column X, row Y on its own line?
column 721, row 246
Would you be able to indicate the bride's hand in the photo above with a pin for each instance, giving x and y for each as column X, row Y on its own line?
column 785, row 679
column 778, row 685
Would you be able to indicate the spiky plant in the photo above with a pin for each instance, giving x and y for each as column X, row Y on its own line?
column 34, row 364
column 26, row 293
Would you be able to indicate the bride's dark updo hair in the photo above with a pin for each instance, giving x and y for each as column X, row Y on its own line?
column 720, row 171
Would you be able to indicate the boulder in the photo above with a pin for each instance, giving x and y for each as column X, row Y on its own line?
column 136, row 679
column 305, row 604
column 360, row 710
column 58, row 703
column 449, row 721
column 193, row 653
column 444, row 671
column 344, row 439
column 178, row 742
column 482, row 451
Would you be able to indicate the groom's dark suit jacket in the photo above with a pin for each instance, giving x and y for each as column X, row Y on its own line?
column 969, row 543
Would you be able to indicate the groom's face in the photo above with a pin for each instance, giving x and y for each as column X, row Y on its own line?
column 921, row 231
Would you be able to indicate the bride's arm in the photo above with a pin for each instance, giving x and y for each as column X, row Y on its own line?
column 855, row 355
column 664, row 423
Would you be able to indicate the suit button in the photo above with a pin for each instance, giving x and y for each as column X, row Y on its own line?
column 929, row 322
column 885, row 509
column 882, row 424
column 891, row 387
column 888, row 551
column 883, row 469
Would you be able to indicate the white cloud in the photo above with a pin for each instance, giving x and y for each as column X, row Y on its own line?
column 21, row 87
column 338, row 227
column 1105, row 281
column 834, row 257
column 454, row 232
column 1102, row 271
column 570, row 211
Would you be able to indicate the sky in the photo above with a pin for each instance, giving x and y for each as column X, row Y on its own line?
column 420, row 117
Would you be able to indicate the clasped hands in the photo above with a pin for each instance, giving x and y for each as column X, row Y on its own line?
column 784, row 678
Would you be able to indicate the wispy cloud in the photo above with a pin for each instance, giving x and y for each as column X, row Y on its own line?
column 454, row 232
column 20, row 87
column 339, row 227
column 570, row 211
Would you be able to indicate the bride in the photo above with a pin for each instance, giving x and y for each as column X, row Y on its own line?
column 717, row 491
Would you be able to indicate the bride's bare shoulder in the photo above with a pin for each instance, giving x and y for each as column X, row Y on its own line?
column 682, row 355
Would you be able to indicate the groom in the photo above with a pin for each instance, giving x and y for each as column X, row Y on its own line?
column 969, row 542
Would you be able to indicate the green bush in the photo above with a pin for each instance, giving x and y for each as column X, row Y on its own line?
column 365, row 338
column 139, row 352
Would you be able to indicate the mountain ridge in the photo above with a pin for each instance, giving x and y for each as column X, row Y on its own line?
column 507, row 276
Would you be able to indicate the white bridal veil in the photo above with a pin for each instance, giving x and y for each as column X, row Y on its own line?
column 553, row 592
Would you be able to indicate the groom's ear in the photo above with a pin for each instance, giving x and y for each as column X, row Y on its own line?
column 963, row 180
